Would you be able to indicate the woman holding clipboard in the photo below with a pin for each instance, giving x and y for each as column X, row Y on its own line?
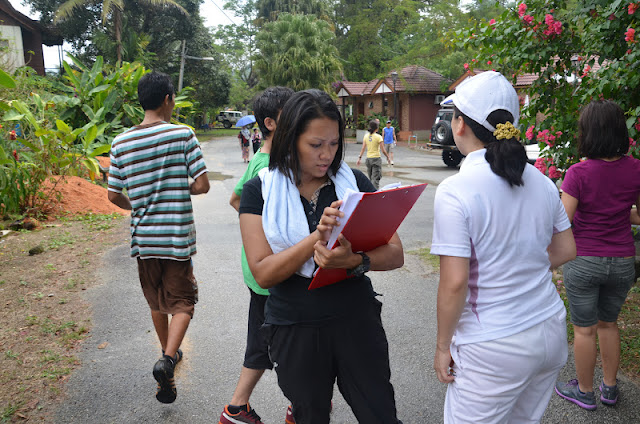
column 286, row 215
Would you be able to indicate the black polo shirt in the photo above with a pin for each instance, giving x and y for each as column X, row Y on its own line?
column 290, row 302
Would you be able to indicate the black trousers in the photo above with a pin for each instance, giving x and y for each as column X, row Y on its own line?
column 355, row 352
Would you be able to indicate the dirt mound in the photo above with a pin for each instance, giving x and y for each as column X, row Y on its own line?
column 80, row 196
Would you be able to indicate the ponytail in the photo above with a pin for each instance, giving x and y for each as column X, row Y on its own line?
column 373, row 126
column 507, row 157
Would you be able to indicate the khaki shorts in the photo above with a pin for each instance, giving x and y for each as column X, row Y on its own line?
column 169, row 286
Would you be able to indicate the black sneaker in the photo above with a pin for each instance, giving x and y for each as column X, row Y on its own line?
column 163, row 373
column 177, row 357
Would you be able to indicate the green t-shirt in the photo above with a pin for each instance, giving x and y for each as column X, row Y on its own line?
column 260, row 160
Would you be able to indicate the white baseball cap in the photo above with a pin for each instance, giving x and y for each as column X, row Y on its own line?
column 484, row 93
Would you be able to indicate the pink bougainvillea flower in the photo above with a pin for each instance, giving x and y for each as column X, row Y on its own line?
column 522, row 9
column 548, row 19
column 632, row 8
column 466, row 66
column 629, row 51
column 488, row 62
column 541, row 165
column 557, row 27
column 492, row 22
column 554, row 173
column 529, row 133
column 632, row 142
column 528, row 19
column 638, row 125
column 629, row 36
column 612, row 17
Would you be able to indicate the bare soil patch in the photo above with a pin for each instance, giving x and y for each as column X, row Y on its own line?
column 44, row 315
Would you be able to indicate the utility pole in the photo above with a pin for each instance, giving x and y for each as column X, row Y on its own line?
column 183, row 56
column 184, row 48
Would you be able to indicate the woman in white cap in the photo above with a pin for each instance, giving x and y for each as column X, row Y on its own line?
column 499, row 228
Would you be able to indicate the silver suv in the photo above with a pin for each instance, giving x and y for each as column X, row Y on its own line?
column 228, row 118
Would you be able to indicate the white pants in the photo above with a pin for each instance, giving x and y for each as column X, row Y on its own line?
column 509, row 380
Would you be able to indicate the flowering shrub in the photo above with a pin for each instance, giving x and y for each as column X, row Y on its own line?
column 578, row 54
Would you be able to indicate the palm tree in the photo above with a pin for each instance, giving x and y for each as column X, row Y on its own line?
column 116, row 9
column 297, row 51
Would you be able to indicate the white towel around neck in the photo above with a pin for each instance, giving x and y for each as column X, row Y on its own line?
column 283, row 218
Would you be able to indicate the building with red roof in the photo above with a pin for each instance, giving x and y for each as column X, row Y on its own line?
column 412, row 96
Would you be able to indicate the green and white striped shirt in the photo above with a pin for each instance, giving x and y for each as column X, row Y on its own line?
column 153, row 163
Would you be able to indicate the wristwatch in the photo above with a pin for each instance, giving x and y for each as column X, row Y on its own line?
column 362, row 268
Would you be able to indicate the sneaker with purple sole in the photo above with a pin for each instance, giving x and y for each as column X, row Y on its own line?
column 571, row 392
column 608, row 394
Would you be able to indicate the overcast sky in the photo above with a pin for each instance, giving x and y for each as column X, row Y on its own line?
column 208, row 10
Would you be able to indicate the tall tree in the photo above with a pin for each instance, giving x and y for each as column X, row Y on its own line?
column 269, row 10
column 371, row 32
column 428, row 42
column 115, row 10
column 297, row 51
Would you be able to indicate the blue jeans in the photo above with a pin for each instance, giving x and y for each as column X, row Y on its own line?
column 597, row 287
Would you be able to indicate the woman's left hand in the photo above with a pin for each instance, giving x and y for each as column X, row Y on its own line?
column 340, row 257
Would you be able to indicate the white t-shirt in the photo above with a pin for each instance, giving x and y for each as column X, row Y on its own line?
column 505, row 232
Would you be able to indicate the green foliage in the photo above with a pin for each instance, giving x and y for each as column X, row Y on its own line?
column 589, row 55
column 62, row 131
column 112, row 11
column 371, row 33
column 269, row 10
column 297, row 51
column 100, row 95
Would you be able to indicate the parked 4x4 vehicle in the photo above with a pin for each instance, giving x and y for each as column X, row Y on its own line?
column 228, row 118
column 442, row 137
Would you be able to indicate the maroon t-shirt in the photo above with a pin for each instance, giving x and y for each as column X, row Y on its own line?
column 605, row 193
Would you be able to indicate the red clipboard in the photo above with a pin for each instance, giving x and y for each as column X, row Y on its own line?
column 373, row 222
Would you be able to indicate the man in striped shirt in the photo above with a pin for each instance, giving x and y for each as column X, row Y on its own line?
column 153, row 162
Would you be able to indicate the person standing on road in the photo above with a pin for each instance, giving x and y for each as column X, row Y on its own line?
column 267, row 107
column 597, row 195
column 256, row 139
column 499, row 228
column 372, row 142
column 153, row 161
column 286, row 216
column 244, row 137
column 389, row 136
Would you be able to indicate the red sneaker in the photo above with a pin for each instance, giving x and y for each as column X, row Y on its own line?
column 289, row 418
column 244, row 416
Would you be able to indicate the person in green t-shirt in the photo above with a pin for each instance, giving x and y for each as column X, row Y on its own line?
column 266, row 107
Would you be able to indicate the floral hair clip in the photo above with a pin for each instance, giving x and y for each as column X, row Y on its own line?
column 506, row 131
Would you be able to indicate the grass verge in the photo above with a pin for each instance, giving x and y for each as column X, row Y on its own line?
column 217, row 132
column 44, row 316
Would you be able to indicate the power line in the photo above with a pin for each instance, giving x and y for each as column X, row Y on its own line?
column 223, row 12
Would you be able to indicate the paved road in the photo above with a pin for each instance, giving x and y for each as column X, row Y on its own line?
column 115, row 384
